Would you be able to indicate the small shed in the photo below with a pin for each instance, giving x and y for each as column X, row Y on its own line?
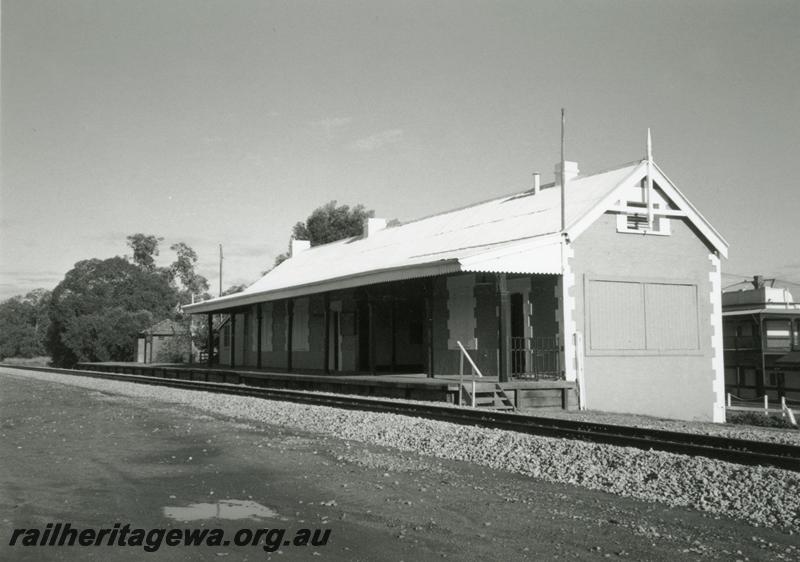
column 168, row 341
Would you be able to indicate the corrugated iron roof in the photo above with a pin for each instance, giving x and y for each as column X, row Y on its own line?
column 518, row 233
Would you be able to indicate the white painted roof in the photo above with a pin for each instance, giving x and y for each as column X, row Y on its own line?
column 519, row 233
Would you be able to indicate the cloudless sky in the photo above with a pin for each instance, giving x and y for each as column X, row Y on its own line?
column 227, row 121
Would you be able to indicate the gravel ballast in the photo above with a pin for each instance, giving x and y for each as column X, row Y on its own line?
column 760, row 495
column 750, row 432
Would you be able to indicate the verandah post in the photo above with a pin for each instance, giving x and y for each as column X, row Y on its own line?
column 371, row 334
column 260, row 320
column 393, row 302
column 289, row 330
column 210, row 339
column 233, row 338
column 326, row 321
column 428, row 330
column 504, row 331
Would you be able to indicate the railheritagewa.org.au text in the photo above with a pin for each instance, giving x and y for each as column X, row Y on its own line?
column 151, row 540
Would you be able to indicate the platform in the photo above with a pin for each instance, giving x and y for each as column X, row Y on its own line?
column 525, row 395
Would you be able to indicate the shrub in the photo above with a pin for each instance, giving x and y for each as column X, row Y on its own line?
column 759, row 419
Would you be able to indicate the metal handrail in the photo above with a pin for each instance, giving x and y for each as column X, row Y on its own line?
column 461, row 373
column 471, row 362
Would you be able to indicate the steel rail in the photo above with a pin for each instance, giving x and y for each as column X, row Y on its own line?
column 739, row 451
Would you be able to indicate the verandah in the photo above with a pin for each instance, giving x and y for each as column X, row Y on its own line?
column 508, row 324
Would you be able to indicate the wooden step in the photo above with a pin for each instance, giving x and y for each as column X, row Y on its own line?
column 488, row 395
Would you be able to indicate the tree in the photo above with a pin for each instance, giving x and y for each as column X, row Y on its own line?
column 199, row 335
column 182, row 269
column 145, row 247
column 233, row 289
column 330, row 223
column 99, row 308
column 177, row 348
column 23, row 324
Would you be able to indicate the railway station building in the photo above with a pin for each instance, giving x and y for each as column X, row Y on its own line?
column 614, row 289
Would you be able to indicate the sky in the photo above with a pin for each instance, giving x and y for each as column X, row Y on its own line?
column 226, row 121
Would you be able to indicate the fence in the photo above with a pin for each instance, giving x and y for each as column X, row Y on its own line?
column 536, row 358
column 762, row 404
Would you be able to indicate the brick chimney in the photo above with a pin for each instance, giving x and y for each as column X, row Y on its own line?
column 371, row 226
column 298, row 246
column 571, row 169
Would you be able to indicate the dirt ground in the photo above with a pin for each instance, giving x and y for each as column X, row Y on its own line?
column 73, row 455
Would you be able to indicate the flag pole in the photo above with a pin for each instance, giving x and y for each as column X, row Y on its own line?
column 563, row 175
column 649, row 194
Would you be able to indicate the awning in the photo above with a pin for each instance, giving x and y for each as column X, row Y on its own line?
column 791, row 359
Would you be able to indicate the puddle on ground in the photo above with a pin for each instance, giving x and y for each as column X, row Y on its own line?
column 223, row 509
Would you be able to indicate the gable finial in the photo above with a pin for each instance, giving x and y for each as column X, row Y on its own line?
column 649, row 146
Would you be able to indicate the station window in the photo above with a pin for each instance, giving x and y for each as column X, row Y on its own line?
column 796, row 334
column 635, row 220
column 778, row 333
column 633, row 217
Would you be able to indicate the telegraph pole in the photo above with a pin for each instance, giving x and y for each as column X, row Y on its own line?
column 220, row 270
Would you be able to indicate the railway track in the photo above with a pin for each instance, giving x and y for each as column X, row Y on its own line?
column 738, row 451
